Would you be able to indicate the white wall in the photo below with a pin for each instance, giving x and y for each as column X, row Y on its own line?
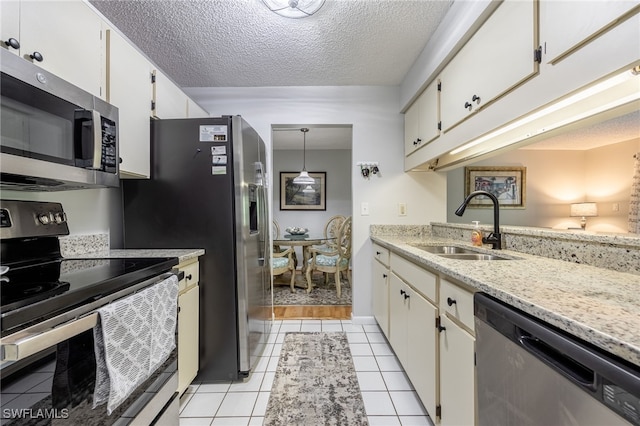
column 378, row 129
column 555, row 179
column 337, row 165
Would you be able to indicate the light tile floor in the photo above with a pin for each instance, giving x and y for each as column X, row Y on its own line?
column 388, row 395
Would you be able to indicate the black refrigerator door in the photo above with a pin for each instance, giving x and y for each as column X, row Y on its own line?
column 189, row 202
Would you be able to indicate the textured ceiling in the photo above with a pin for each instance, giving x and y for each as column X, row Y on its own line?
column 240, row 43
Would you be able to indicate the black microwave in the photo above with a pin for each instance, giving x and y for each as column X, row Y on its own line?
column 53, row 135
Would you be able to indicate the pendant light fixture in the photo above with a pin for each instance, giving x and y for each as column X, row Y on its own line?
column 303, row 178
column 294, row 8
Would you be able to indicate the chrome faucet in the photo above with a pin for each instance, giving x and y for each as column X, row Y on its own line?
column 494, row 238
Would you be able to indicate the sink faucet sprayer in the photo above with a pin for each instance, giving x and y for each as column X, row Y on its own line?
column 494, row 238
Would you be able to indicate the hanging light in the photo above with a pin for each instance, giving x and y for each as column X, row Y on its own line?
column 303, row 178
column 294, row 8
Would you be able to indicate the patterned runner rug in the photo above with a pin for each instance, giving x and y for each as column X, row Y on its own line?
column 322, row 294
column 315, row 383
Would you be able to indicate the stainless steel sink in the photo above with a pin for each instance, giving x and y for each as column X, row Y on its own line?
column 459, row 253
column 473, row 256
column 443, row 249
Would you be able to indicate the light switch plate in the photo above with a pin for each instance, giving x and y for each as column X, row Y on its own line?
column 402, row 209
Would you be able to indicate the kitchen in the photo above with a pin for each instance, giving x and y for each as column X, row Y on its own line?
column 374, row 114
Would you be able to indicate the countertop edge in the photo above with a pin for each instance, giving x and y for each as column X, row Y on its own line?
column 538, row 308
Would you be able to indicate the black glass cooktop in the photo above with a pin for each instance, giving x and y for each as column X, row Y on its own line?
column 37, row 292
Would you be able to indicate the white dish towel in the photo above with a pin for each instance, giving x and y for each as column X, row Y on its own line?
column 134, row 336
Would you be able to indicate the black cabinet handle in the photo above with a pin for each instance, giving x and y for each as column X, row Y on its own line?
column 441, row 328
column 451, row 301
column 12, row 42
column 189, row 277
column 406, row 295
column 468, row 105
column 384, row 275
column 402, row 292
column 36, row 56
column 378, row 253
column 476, row 99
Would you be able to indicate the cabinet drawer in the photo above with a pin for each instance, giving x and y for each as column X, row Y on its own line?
column 421, row 279
column 381, row 253
column 191, row 275
column 457, row 303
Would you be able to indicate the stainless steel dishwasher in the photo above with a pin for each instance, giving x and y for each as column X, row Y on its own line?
column 529, row 373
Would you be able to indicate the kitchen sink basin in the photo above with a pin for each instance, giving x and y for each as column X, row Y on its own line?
column 473, row 256
column 444, row 249
column 459, row 253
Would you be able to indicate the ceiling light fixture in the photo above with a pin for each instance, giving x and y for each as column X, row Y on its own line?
column 303, row 178
column 294, row 8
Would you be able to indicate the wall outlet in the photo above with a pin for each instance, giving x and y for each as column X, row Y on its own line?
column 402, row 209
column 364, row 209
column 615, row 207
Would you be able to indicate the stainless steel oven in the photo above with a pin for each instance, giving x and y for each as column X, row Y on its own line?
column 49, row 368
column 54, row 135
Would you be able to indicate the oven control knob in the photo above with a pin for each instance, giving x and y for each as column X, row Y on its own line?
column 59, row 217
column 44, row 218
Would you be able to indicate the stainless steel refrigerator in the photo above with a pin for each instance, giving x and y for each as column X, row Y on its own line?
column 207, row 191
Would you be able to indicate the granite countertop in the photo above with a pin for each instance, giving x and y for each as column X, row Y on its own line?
column 182, row 254
column 597, row 305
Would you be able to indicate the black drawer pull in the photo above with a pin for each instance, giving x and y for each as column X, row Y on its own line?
column 451, row 301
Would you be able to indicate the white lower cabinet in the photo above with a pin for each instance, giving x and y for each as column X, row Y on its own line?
column 188, row 320
column 431, row 331
column 412, row 335
column 457, row 374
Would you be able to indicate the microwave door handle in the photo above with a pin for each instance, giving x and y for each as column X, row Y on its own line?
column 97, row 140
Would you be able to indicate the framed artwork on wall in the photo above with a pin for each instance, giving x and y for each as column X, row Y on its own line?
column 303, row 197
column 507, row 183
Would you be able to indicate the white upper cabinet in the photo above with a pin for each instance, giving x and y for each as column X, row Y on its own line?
column 566, row 26
column 63, row 37
column 421, row 121
column 498, row 58
column 169, row 100
column 129, row 89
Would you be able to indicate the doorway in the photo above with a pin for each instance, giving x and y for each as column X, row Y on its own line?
column 325, row 151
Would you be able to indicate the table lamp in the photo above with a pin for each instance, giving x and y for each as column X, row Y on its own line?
column 584, row 210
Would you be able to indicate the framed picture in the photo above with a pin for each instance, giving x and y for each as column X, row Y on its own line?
column 508, row 184
column 303, row 197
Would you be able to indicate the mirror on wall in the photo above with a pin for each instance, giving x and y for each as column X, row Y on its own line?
column 593, row 163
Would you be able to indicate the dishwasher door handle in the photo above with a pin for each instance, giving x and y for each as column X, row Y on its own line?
column 575, row 371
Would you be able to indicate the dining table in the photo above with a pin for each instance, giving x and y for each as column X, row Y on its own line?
column 306, row 241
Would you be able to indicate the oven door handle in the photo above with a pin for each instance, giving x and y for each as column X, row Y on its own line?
column 22, row 345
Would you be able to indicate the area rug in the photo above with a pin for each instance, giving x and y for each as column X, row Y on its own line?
column 315, row 383
column 322, row 294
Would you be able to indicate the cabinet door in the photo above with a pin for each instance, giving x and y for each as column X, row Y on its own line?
column 422, row 348
column 10, row 23
column 129, row 88
column 188, row 313
column 68, row 35
column 496, row 59
column 421, row 120
column 169, row 100
column 398, row 313
column 381, row 296
column 566, row 26
column 457, row 375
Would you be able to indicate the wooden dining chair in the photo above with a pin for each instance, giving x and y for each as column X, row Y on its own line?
column 331, row 229
column 334, row 261
column 282, row 262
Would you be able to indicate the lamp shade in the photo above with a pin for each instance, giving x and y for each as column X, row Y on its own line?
column 584, row 210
